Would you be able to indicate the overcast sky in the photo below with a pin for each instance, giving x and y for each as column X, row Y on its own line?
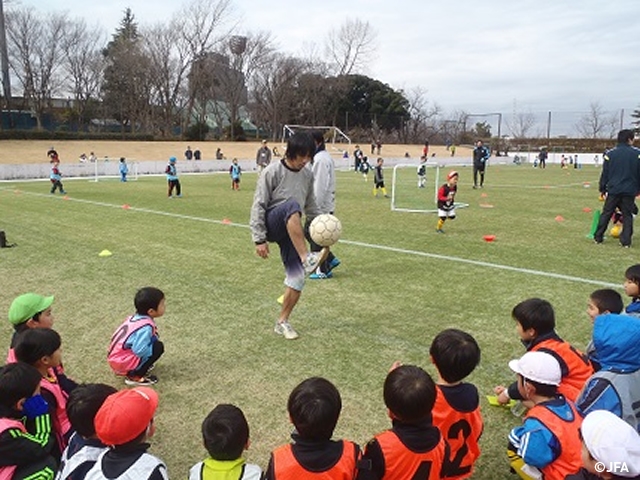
column 477, row 56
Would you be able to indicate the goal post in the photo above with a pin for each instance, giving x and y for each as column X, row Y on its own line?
column 332, row 134
column 408, row 196
column 109, row 168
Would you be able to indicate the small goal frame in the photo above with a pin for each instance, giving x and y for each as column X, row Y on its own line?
column 436, row 186
column 337, row 136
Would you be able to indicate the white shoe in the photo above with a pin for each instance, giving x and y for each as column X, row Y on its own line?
column 314, row 259
column 285, row 329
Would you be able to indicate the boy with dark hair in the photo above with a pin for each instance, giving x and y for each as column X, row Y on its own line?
column 314, row 408
column 378, row 179
column 632, row 289
column 283, row 192
column 616, row 385
column 56, row 176
column 225, row 433
column 413, row 447
column 457, row 408
column 547, row 445
column 446, row 200
column 28, row 310
column 25, row 435
column 124, row 422
column 601, row 302
column 84, row 446
column 135, row 346
column 535, row 324
column 41, row 348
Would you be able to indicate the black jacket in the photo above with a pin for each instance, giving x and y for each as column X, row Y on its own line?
column 621, row 171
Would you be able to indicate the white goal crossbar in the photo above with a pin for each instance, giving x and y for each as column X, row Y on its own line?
column 110, row 168
column 337, row 135
column 408, row 196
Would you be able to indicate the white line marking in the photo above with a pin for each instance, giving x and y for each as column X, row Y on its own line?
column 347, row 242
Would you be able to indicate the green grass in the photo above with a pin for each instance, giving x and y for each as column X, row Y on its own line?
column 399, row 284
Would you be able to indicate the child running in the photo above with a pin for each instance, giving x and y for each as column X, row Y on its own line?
column 446, row 198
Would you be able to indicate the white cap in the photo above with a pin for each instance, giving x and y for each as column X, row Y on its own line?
column 539, row 367
column 610, row 439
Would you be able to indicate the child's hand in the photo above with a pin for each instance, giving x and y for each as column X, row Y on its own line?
column 35, row 406
column 501, row 392
column 395, row 365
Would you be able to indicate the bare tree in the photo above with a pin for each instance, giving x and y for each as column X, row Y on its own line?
column 169, row 61
column 83, row 64
column 597, row 123
column 351, row 46
column 520, row 124
column 204, row 25
column 34, row 55
column 272, row 99
column 423, row 122
column 247, row 56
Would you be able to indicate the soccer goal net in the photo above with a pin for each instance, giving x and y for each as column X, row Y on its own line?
column 410, row 194
column 333, row 136
column 109, row 168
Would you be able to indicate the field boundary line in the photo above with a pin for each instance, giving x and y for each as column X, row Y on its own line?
column 386, row 248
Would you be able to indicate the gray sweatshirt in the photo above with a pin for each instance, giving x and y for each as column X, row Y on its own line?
column 277, row 184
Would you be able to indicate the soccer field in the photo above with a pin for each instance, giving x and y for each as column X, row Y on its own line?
column 399, row 284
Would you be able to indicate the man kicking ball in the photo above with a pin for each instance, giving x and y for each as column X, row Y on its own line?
column 283, row 192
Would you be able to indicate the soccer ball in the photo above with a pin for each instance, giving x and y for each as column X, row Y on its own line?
column 615, row 231
column 325, row 229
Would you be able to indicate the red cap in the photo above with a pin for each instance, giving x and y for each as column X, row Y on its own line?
column 452, row 174
column 125, row 415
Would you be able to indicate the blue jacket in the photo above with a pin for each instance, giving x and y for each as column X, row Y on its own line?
column 616, row 386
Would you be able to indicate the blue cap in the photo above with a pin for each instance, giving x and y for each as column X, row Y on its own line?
column 172, row 159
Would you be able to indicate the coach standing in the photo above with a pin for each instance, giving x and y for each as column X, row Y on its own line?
column 480, row 157
column 263, row 156
column 620, row 180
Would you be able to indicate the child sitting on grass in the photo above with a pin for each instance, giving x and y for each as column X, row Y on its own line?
column 25, row 426
column 124, row 422
column 28, row 310
column 84, row 446
column 616, row 386
column 413, row 447
column 547, row 445
column 535, row 324
column 601, row 302
column 225, row 433
column 457, row 409
column 41, row 348
column 314, row 407
column 135, row 345
column 632, row 289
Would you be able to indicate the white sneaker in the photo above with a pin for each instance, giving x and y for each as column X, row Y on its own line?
column 285, row 329
column 314, row 259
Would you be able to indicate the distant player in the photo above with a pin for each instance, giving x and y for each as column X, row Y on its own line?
column 446, row 196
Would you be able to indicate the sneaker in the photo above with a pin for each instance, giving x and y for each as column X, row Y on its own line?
column 439, row 230
column 141, row 381
column 285, row 329
column 280, row 299
column 320, row 275
column 63, row 192
column 334, row 263
column 314, row 259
